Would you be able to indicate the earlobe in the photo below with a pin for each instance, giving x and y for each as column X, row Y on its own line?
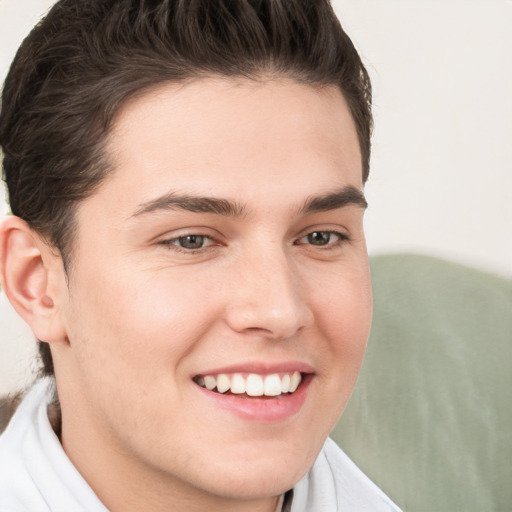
column 25, row 264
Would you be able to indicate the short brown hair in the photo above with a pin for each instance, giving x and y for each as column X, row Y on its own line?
column 85, row 59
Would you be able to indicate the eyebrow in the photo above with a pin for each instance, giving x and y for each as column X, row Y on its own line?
column 196, row 204
column 346, row 196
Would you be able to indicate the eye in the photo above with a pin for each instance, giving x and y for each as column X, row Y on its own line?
column 190, row 242
column 323, row 238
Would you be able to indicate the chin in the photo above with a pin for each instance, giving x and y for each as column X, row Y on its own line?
column 263, row 476
column 253, row 483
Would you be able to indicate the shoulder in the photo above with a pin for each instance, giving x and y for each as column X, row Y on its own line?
column 35, row 473
column 335, row 483
column 351, row 480
column 17, row 491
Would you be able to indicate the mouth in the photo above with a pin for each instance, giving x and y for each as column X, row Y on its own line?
column 251, row 384
column 256, row 393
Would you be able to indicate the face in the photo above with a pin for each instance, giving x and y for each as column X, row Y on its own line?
column 225, row 252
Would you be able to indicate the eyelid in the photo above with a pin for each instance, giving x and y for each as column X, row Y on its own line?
column 343, row 237
column 171, row 239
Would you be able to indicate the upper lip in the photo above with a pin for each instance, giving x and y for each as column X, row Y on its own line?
column 261, row 368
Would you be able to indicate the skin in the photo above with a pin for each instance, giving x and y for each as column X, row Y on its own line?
column 140, row 315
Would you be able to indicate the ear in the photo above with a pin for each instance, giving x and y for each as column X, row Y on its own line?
column 27, row 266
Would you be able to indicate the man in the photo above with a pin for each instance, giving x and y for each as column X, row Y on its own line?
column 187, row 245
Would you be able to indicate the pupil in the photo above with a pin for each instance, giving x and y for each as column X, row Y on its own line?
column 319, row 238
column 192, row 241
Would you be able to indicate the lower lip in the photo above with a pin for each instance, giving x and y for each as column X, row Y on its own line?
column 266, row 409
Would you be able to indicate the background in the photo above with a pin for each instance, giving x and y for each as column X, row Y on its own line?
column 441, row 178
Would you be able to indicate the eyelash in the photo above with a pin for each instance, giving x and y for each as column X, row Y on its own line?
column 341, row 238
column 175, row 242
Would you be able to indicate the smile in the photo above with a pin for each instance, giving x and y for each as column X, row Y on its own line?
column 251, row 384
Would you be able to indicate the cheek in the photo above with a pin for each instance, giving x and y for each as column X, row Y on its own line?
column 344, row 317
column 128, row 338
column 343, row 310
column 346, row 308
column 139, row 324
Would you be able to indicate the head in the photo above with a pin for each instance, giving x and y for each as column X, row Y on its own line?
column 142, row 154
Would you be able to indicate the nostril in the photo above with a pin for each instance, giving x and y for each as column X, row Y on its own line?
column 270, row 323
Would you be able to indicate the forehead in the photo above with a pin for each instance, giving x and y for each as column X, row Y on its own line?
column 235, row 138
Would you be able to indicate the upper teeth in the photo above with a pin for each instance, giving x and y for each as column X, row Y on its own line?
column 252, row 384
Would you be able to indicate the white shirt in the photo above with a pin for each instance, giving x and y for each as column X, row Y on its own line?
column 37, row 476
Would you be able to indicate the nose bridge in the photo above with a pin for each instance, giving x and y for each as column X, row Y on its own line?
column 269, row 295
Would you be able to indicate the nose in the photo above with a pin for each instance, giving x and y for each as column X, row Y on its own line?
column 268, row 298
